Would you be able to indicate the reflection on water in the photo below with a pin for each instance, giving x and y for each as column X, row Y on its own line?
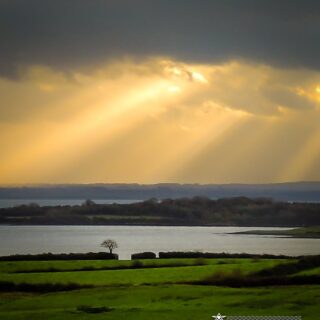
column 61, row 239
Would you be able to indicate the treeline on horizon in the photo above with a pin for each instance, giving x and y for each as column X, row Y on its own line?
column 200, row 211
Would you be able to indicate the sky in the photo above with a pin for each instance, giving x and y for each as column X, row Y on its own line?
column 149, row 91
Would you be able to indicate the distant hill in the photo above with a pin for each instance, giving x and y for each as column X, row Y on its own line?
column 295, row 191
column 196, row 211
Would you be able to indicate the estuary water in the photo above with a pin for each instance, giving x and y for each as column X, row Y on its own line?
column 132, row 239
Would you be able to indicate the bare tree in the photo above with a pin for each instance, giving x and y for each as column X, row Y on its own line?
column 110, row 244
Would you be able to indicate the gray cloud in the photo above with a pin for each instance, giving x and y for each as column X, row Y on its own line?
column 67, row 34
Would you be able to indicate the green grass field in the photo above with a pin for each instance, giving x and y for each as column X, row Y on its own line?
column 139, row 276
column 314, row 271
column 151, row 293
column 69, row 265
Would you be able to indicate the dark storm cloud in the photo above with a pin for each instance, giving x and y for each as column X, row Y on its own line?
column 67, row 34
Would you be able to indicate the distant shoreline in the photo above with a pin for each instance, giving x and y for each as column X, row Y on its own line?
column 292, row 191
column 311, row 232
column 195, row 211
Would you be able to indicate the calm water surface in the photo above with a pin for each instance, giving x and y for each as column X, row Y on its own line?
column 60, row 239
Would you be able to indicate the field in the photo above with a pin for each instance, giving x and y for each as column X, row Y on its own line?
column 150, row 289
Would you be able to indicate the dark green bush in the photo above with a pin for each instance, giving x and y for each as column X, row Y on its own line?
column 61, row 256
column 194, row 254
column 143, row 255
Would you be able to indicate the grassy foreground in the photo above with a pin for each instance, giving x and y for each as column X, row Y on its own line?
column 151, row 289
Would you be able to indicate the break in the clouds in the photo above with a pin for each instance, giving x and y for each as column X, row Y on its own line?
column 159, row 91
column 161, row 120
column 68, row 34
